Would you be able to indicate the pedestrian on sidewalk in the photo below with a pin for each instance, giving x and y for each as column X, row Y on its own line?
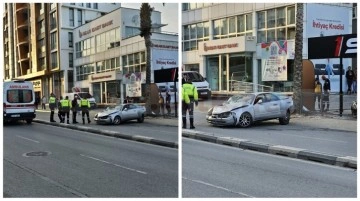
column 52, row 105
column 37, row 101
column 161, row 105
column 43, row 102
column 65, row 107
column 60, row 110
column 191, row 91
column 326, row 93
column 354, row 86
column 349, row 79
column 168, row 102
column 85, row 106
column 318, row 92
column 74, row 108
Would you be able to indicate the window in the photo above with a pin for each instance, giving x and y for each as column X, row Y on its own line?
column 88, row 5
column 53, row 20
column 71, row 17
column 241, row 23
column 53, row 60
column 95, row 6
column 53, row 41
column 194, row 33
column 249, row 22
column 232, row 25
column 291, row 15
column 79, row 17
column 70, row 39
column 261, row 20
column 270, row 18
column 42, row 26
column 280, row 17
column 19, row 96
column 71, row 60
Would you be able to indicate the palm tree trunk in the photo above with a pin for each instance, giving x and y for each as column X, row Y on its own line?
column 298, row 71
column 148, row 74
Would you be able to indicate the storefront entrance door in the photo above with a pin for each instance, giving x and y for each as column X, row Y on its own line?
column 212, row 73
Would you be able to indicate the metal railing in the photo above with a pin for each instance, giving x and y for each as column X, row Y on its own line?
column 248, row 87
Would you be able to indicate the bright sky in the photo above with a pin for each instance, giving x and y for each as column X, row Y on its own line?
column 169, row 14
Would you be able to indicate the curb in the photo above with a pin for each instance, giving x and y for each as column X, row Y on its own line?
column 137, row 138
column 292, row 152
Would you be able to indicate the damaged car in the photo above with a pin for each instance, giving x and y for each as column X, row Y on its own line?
column 121, row 113
column 243, row 110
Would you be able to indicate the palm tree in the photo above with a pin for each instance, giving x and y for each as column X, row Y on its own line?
column 145, row 31
column 298, row 71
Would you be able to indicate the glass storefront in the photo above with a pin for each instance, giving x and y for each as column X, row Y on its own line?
column 225, row 67
column 107, row 92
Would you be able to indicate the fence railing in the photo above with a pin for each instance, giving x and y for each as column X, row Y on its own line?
column 248, row 87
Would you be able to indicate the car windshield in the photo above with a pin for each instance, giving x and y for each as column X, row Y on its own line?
column 118, row 107
column 193, row 77
column 242, row 98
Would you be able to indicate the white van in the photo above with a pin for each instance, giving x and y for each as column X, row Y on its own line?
column 80, row 96
column 19, row 101
column 203, row 87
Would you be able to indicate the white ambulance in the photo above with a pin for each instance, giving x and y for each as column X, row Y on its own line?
column 19, row 101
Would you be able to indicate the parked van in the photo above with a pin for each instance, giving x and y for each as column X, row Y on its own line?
column 82, row 95
column 199, row 82
column 19, row 101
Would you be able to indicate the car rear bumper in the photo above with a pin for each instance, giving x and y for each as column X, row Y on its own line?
column 19, row 116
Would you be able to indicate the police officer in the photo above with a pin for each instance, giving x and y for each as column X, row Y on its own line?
column 189, row 89
column 65, row 107
column 85, row 105
column 185, row 105
column 52, row 105
column 60, row 111
column 74, row 108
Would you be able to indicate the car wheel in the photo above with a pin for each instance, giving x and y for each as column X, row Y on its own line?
column 117, row 120
column 285, row 120
column 245, row 120
column 141, row 119
column 28, row 121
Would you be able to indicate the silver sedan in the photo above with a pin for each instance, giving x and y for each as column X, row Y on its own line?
column 121, row 113
column 244, row 109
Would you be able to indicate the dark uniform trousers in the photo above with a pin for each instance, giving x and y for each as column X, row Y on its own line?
column 188, row 107
column 52, row 109
column 66, row 112
column 85, row 111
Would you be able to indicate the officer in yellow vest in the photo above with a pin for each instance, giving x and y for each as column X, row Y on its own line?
column 60, row 110
column 52, row 105
column 85, row 106
column 66, row 106
column 190, row 90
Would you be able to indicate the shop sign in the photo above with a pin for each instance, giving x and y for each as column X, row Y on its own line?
column 106, row 76
column 228, row 45
column 164, row 58
column 37, row 84
column 274, row 61
column 96, row 28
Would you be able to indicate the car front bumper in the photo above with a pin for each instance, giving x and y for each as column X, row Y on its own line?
column 103, row 120
column 218, row 121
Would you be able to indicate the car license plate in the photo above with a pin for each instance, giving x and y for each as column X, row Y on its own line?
column 15, row 115
column 203, row 92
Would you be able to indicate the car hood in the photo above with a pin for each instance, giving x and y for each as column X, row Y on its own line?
column 228, row 107
column 107, row 112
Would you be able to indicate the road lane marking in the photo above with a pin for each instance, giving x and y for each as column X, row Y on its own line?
column 27, row 139
column 218, row 187
column 120, row 166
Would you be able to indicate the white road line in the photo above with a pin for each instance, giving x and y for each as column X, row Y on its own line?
column 27, row 139
column 120, row 166
column 218, row 187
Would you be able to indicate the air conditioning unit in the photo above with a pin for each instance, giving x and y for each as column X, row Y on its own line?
column 250, row 37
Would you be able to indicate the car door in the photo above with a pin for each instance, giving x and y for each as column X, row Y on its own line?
column 126, row 113
column 260, row 111
column 273, row 105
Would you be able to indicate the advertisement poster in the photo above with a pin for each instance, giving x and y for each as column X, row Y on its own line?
column 164, row 58
column 133, row 84
column 328, row 20
column 274, row 66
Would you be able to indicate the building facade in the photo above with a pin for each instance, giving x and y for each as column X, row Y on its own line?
column 254, row 42
column 110, row 56
column 38, row 42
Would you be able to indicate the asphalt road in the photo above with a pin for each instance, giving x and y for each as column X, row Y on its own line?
column 328, row 135
column 211, row 171
column 78, row 164
column 164, row 131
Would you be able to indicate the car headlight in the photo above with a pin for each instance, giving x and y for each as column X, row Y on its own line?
column 224, row 115
column 210, row 111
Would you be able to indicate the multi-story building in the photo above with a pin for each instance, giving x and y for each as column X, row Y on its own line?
column 229, row 42
column 38, row 41
column 110, row 55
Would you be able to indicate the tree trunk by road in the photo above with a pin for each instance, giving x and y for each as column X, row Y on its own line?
column 145, row 31
column 298, row 71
